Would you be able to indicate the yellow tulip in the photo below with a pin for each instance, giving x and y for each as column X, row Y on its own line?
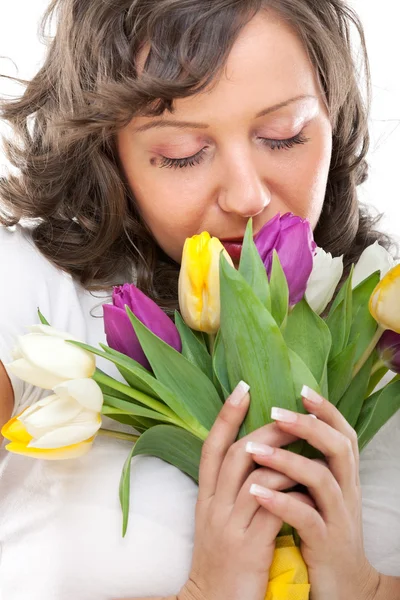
column 288, row 576
column 384, row 304
column 199, row 294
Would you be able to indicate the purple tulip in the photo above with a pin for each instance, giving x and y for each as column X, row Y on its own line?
column 389, row 350
column 118, row 328
column 292, row 238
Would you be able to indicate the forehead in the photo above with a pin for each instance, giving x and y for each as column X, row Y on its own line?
column 267, row 64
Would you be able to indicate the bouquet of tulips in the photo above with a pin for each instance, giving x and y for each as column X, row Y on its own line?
column 266, row 323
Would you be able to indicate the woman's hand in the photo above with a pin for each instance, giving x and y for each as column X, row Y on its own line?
column 235, row 536
column 329, row 520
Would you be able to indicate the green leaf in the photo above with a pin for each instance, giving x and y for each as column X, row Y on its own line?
column 308, row 335
column 279, row 291
column 195, row 398
column 340, row 371
column 252, row 268
column 42, row 318
column 107, row 383
column 376, row 411
column 351, row 402
column 219, row 365
column 124, row 365
column 133, row 422
column 375, row 379
column 192, row 348
column 172, row 444
column 364, row 325
column 255, row 349
column 301, row 375
column 340, row 318
column 117, row 406
column 164, row 393
column 125, row 488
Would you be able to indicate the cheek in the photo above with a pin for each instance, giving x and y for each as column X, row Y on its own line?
column 307, row 178
column 173, row 205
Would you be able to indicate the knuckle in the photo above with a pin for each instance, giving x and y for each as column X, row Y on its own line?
column 210, row 449
column 353, row 436
column 310, row 521
column 345, row 447
column 234, row 450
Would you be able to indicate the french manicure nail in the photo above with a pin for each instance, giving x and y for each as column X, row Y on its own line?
column 259, row 490
column 239, row 393
column 311, row 395
column 281, row 414
column 259, row 449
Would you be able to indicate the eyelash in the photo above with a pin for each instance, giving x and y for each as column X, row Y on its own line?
column 191, row 161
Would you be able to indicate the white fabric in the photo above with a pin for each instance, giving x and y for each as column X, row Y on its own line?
column 60, row 522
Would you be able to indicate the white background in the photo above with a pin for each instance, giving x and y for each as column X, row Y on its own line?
column 20, row 43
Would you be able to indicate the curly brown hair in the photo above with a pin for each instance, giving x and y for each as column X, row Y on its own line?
column 64, row 126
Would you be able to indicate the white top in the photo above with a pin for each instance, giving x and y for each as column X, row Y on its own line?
column 60, row 522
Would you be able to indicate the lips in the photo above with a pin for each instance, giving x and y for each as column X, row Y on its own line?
column 233, row 247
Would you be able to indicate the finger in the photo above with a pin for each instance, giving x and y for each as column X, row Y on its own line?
column 246, row 506
column 222, row 435
column 336, row 447
column 317, row 477
column 295, row 509
column 328, row 413
column 237, row 461
column 264, row 529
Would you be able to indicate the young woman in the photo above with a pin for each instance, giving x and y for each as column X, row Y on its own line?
column 151, row 121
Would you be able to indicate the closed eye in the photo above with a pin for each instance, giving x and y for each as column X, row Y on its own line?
column 191, row 161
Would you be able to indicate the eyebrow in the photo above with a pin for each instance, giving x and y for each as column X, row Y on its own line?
column 160, row 123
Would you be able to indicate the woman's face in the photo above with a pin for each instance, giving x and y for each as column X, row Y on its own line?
column 257, row 144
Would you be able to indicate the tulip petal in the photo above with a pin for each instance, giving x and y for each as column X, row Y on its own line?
column 120, row 334
column 15, row 431
column 56, row 413
column 374, row 258
column 389, row 350
column 324, row 279
column 149, row 313
column 292, row 238
column 70, row 434
column 86, row 392
column 67, row 452
column 294, row 249
column 266, row 239
column 51, row 331
column 33, row 375
column 55, row 356
column 384, row 303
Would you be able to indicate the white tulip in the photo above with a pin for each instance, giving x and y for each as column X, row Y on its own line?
column 44, row 359
column 63, row 419
column 323, row 281
column 374, row 258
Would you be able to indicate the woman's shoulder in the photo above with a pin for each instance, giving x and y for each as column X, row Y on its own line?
column 21, row 257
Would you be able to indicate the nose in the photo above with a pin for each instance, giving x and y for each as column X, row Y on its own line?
column 243, row 191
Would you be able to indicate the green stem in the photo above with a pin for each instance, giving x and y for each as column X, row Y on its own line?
column 377, row 366
column 119, row 435
column 371, row 347
column 211, row 342
column 135, row 394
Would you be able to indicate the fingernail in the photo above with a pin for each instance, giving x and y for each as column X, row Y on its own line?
column 259, row 449
column 311, row 395
column 259, row 490
column 313, row 416
column 281, row 414
column 239, row 393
